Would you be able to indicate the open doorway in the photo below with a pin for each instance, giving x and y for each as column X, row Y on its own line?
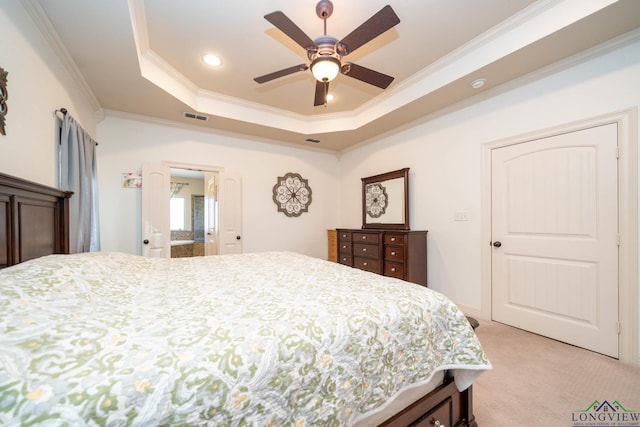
column 222, row 192
column 193, row 213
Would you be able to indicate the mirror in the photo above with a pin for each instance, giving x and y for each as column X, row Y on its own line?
column 385, row 200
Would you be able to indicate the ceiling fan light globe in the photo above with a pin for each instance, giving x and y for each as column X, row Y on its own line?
column 325, row 69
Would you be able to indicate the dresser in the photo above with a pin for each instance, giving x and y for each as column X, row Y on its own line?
column 396, row 253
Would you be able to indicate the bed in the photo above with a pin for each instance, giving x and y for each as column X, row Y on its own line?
column 275, row 338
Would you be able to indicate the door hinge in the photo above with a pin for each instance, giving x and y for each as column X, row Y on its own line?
column 617, row 152
column 618, row 328
column 617, row 239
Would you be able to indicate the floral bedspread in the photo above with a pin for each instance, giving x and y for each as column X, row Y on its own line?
column 270, row 339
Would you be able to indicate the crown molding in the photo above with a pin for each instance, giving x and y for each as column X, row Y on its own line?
column 41, row 21
column 106, row 113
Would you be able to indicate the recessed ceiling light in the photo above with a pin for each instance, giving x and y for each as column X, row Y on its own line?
column 478, row 83
column 212, row 60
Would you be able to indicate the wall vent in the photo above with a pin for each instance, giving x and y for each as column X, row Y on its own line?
column 196, row 116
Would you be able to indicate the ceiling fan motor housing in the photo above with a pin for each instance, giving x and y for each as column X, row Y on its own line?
column 324, row 47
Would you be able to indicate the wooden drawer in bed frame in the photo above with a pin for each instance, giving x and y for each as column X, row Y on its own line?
column 444, row 406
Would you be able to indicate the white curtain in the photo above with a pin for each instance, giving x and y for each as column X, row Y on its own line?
column 78, row 173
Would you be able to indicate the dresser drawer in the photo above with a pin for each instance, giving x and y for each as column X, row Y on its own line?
column 345, row 258
column 366, row 237
column 394, row 253
column 394, row 269
column 367, row 264
column 344, row 236
column 393, row 239
column 344, row 246
column 367, row 251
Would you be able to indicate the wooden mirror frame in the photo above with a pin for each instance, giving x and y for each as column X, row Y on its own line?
column 4, row 95
column 403, row 224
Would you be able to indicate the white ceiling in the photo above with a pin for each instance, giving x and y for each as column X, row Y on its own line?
column 145, row 58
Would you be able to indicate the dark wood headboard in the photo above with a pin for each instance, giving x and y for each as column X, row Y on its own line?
column 34, row 220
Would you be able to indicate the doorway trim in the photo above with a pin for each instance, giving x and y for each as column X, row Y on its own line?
column 195, row 167
column 626, row 121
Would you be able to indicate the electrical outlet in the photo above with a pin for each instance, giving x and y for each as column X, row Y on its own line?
column 461, row 216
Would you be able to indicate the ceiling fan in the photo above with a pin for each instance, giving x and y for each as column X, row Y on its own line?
column 326, row 52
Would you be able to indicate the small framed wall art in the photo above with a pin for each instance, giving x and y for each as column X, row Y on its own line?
column 131, row 180
column 292, row 194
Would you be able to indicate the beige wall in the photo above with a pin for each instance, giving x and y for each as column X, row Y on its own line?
column 38, row 84
column 445, row 156
column 125, row 144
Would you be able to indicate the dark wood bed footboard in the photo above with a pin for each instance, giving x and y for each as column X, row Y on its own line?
column 34, row 220
column 444, row 406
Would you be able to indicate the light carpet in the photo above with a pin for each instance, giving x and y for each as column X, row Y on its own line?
column 537, row 381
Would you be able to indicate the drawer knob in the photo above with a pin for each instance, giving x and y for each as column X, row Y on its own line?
column 365, row 263
column 344, row 246
column 393, row 252
column 364, row 249
column 393, row 269
column 437, row 423
column 364, row 237
column 393, row 239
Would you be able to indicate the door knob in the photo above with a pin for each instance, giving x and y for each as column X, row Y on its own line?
column 145, row 241
column 237, row 237
column 497, row 244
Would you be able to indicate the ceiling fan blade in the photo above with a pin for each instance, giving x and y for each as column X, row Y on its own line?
column 281, row 73
column 287, row 26
column 367, row 75
column 382, row 21
column 322, row 88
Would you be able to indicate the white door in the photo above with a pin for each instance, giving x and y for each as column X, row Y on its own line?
column 229, row 211
column 210, row 215
column 554, row 234
column 156, row 237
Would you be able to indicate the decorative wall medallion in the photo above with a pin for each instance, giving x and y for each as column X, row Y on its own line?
column 377, row 200
column 292, row 194
column 3, row 99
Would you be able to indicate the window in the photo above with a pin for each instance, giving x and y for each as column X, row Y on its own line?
column 176, row 213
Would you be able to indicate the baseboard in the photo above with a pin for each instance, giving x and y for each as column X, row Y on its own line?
column 473, row 312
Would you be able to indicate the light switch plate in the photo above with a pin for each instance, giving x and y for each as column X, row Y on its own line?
column 461, row 216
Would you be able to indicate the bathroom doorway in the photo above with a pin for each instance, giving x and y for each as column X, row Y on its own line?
column 193, row 212
column 222, row 191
